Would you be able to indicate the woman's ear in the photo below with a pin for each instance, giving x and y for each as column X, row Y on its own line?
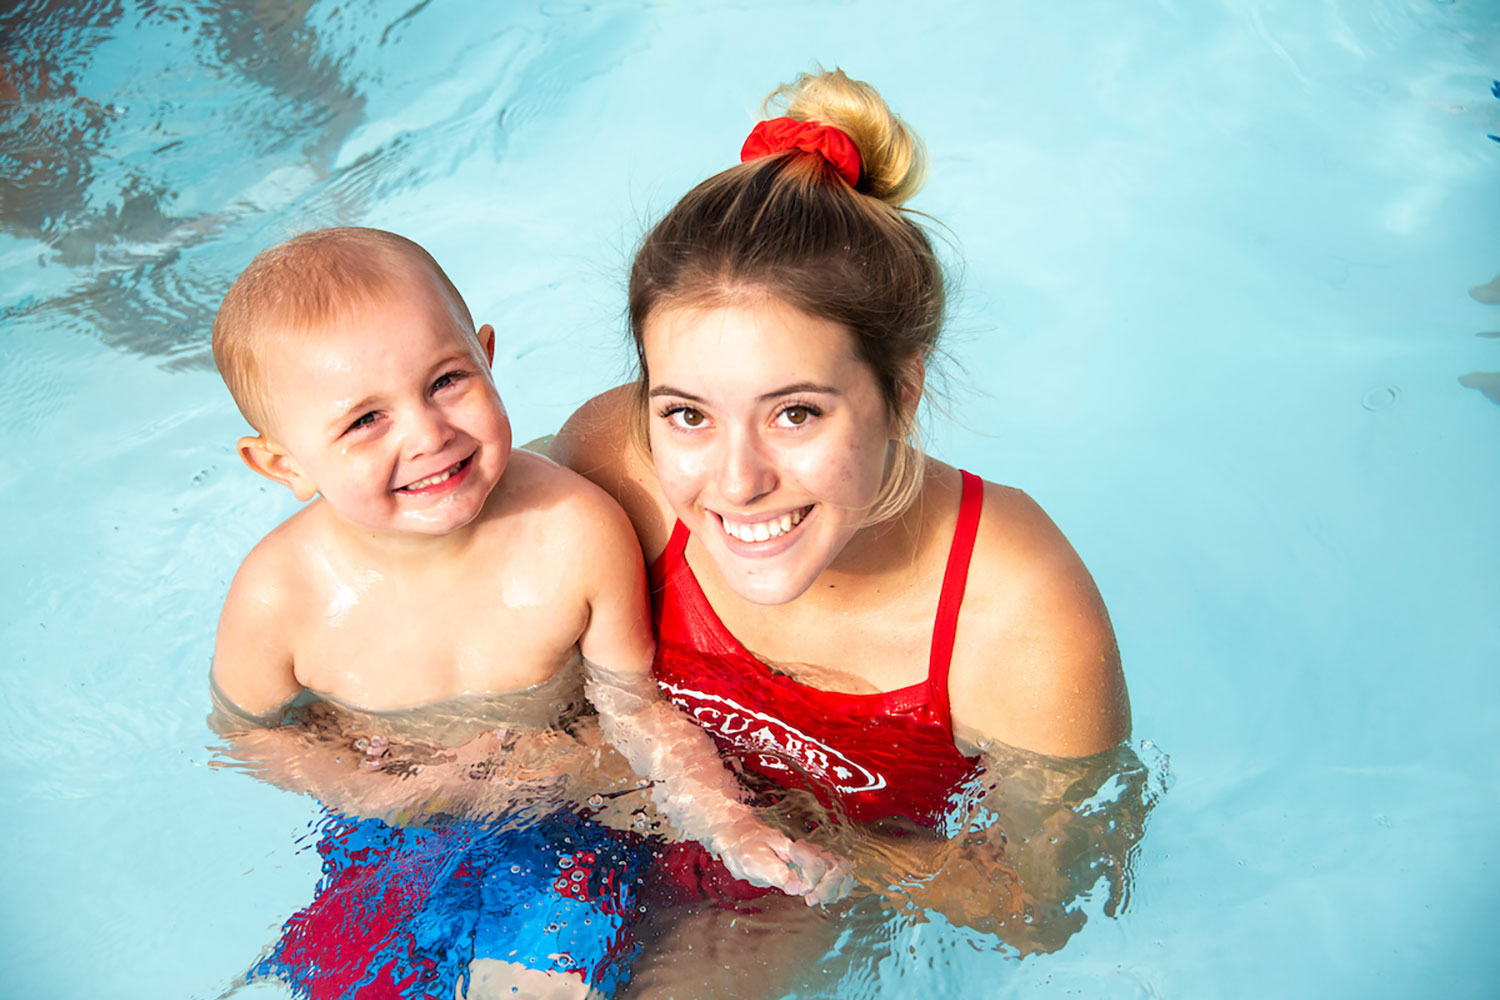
column 911, row 378
column 275, row 463
column 486, row 335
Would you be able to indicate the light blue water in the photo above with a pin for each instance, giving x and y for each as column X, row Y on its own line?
column 1216, row 262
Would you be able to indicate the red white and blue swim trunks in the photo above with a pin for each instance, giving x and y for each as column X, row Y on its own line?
column 400, row 912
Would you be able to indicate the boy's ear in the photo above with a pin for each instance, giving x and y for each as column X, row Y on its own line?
column 273, row 461
column 486, row 335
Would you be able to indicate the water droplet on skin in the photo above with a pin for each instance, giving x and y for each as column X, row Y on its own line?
column 1379, row 399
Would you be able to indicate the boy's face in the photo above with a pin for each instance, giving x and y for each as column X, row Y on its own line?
column 390, row 413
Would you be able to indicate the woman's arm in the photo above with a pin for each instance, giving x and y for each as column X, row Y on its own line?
column 1035, row 841
column 692, row 786
column 1035, row 663
column 597, row 444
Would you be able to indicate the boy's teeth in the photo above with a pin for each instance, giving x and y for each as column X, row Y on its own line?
column 763, row 530
column 422, row 484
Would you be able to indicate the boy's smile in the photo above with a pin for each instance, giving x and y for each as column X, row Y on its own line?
column 449, row 478
column 389, row 412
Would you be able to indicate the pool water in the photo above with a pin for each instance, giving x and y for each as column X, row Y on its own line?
column 1227, row 312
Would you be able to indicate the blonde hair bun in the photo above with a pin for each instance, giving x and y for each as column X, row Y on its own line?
column 893, row 159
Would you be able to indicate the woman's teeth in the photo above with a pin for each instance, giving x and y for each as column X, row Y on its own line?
column 762, row 531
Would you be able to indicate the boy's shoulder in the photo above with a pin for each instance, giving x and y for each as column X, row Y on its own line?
column 536, row 486
column 551, row 518
column 274, row 573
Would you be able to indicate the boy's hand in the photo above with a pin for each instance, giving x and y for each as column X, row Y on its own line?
column 763, row 856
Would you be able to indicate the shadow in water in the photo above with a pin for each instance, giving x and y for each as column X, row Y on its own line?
column 1486, row 382
column 115, row 257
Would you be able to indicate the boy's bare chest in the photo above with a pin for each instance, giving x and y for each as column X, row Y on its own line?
column 390, row 645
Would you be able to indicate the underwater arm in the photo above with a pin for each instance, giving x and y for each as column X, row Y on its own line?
column 692, row 786
column 1036, row 842
column 316, row 751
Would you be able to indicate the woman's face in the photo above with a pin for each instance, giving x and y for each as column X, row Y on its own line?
column 769, row 437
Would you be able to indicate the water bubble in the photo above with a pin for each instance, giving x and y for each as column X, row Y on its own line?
column 596, row 799
column 1379, row 399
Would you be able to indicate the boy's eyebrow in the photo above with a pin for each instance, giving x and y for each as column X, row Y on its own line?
column 346, row 412
column 786, row 390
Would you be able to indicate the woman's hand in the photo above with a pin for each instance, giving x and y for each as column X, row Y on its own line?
column 762, row 855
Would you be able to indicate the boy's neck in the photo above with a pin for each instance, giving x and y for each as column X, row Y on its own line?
column 410, row 550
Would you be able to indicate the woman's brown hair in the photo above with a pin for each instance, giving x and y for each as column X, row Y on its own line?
column 788, row 226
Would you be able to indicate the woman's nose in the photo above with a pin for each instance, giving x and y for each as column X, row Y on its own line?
column 745, row 474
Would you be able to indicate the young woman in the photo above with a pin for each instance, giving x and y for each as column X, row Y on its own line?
column 839, row 610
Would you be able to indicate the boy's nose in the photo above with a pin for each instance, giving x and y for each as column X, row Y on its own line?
column 428, row 432
column 745, row 475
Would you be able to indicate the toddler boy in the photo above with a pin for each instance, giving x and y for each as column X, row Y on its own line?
column 434, row 561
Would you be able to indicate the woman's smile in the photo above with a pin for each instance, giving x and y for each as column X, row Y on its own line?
column 751, row 533
column 769, row 437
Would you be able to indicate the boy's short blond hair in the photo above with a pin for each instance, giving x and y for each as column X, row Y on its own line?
column 307, row 282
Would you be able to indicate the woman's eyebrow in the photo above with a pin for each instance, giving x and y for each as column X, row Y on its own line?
column 796, row 388
column 667, row 390
column 787, row 390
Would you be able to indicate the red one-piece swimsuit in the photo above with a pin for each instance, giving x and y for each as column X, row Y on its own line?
column 872, row 756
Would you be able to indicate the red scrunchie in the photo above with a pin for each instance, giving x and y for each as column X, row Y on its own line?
column 777, row 135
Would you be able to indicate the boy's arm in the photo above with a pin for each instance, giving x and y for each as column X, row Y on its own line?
column 252, row 677
column 693, row 788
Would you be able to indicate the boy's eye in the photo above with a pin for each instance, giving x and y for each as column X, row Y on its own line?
column 446, row 379
column 363, row 421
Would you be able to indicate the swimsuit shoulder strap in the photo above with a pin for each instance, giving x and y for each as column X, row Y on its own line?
column 671, row 555
column 678, row 541
column 955, row 578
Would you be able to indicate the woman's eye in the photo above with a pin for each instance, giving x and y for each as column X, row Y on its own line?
column 796, row 416
column 686, row 416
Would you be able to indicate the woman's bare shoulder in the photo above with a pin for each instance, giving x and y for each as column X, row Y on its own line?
column 596, row 443
column 1036, row 664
